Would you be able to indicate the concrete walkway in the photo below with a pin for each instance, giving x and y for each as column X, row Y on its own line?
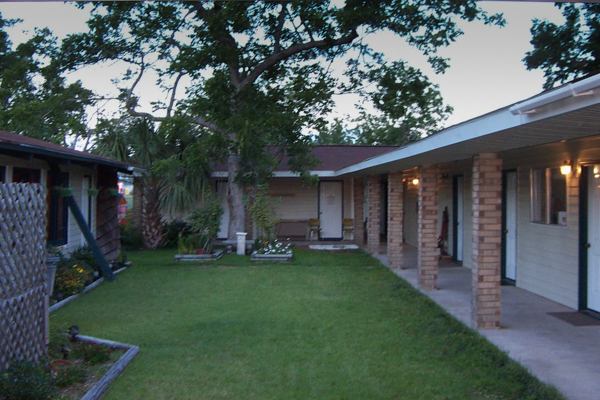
column 557, row 352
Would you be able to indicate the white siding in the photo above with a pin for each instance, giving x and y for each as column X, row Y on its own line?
column 547, row 255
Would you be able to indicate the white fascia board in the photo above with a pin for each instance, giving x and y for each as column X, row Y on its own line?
column 283, row 174
column 469, row 130
column 580, row 95
column 580, row 88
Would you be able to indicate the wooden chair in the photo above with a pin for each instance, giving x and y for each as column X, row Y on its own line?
column 347, row 226
column 314, row 226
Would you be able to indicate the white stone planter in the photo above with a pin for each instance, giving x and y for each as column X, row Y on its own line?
column 199, row 257
column 271, row 257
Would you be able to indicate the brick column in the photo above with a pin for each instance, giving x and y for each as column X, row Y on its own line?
column 138, row 194
column 427, row 217
column 359, row 218
column 487, row 236
column 373, row 201
column 395, row 219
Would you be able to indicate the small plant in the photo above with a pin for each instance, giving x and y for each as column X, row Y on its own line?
column 85, row 254
column 131, row 236
column 205, row 222
column 274, row 247
column 72, row 276
column 26, row 380
column 262, row 209
column 92, row 353
column 172, row 230
column 70, row 375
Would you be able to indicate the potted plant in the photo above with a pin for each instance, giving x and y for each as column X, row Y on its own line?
column 93, row 192
column 64, row 191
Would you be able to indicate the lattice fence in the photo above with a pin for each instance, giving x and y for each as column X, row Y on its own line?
column 23, row 295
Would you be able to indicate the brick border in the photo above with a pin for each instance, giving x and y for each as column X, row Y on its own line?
column 373, row 225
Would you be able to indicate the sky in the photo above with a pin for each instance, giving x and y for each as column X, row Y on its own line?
column 486, row 68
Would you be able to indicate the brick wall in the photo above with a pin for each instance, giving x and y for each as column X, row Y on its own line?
column 487, row 236
column 359, row 218
column 395, row 219
column 427, row 226
column 374, row 199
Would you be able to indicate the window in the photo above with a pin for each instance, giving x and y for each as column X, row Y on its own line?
column 548, row 196
column 26, row 175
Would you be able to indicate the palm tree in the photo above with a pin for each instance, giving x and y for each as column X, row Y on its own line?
column 175, row 157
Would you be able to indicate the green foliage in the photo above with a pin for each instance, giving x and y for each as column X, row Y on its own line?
column 70, row 375
column 131, row 236
column 72, row 276
column 34, row 98
column 172, row 230
column 26, row 380
column 193, row 243
column 262, row 207
column 259, row 72
column 84, row 254
column 567, row 51
column 91, row 353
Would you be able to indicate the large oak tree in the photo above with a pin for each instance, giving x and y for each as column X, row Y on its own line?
column 566, row 51
column 258, row 74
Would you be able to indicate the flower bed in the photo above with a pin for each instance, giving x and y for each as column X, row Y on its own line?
column 199, row 257
column 273, row 251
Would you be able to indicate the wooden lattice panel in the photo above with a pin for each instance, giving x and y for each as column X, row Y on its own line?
column 23, row 314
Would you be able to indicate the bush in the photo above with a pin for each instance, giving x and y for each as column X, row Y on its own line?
column 72, row 276
column 173, row 229
column 26, row 380
column 84, row 254
column 131, row 236
column 70, row 375
column 92, row 353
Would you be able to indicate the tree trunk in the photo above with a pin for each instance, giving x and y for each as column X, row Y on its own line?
column 235, row 197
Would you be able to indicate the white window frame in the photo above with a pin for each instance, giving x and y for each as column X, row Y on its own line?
column 546, row 218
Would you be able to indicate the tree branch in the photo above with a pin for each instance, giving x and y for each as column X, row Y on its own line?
column 172, row 102
column 292, row 50
column 281, row 21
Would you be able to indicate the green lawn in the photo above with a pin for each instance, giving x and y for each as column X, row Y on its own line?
column 330, row 325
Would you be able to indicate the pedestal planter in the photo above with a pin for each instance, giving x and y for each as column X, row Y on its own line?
column 199, row 257
column 271, row 257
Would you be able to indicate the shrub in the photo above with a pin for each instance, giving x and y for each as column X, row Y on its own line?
column 70, row 375
column 131, row 236
column 71, row 276
column 92, row 353
column 84, row 254
column 206, row 220
column 26, row 380
column 173, row 229
column 262, row 210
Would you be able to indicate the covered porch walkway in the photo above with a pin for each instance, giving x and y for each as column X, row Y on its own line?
column 564, row 354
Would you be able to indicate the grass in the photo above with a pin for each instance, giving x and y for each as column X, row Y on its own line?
column 330, row 325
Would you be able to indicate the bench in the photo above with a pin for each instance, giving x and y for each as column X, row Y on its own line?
column 291, row 228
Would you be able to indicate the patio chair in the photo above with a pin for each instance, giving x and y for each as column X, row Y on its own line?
column 314, row 226
column 347, row 226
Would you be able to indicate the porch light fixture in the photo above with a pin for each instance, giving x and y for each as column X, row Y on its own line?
column 415, row 181
column 565, row 169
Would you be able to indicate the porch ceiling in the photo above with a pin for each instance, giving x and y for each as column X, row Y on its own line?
column 500, row 131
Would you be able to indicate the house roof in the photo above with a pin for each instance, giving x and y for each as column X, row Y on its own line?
column 23, row 146
column 332, row 157
column 570, row 111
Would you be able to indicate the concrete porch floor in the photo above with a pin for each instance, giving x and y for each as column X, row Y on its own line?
column 557, row 352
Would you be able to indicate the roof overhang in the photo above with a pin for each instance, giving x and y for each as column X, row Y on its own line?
column 569, row 112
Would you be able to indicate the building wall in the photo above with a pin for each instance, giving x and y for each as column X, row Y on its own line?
column 411, row 197
column 547, row 255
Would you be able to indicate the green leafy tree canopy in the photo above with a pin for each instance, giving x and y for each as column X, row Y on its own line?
column 257, row 74
column 567, row 51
